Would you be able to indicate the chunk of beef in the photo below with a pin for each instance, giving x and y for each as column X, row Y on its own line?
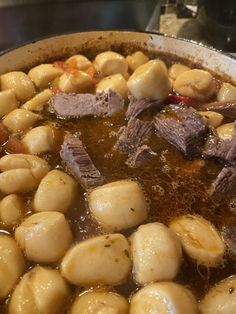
column 132, row 135
column 225, row 181
column 143, row 154
column 226, row 108
column 229, row 236
column 224, row 150
column 183, row 127
column 81, row 105
column 136, row 107
column 79, row 163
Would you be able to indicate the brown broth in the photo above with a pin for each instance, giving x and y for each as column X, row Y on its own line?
column 172, row 184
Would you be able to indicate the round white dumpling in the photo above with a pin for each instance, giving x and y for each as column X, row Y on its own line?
column 59, row 197
column 156, row 253
column 75, row 82
column 44, row 74
column 118, row 205
column 100, row 302
column 115, row 82
column 136, row 59
column 227, row 92
column 79, row 62
column 150, row 80
column 41, row 290
column 200, row 239
column 12, row 264
column 163, row 297
column 12, row 209
column 226, row 131
column 45, row 237
column 221, row 299
column 100, row 260
column 176, row 69
column 110, row 62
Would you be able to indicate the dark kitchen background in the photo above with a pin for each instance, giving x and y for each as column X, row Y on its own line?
column 208, row 21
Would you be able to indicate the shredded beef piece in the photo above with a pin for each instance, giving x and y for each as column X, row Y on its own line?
column 226, row 108
column 132, row 135
column 104, row 104
column 143, row 154
column 79, row 163
column 229, row 236
column 136, row 107
column 183, row 127
column 225, row 181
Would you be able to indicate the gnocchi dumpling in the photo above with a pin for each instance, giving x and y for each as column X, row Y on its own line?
column 100, row 302
column 12, row 209
column 110, row 62
column 156, row 253
column 136, row 59
column 102, row 260
column 44, row 74
column 39, row 140
column 150, row 80
column 116, row 82
column 41, row 290
column 39, row 101
column 221, row 298
column 176, row 69
column 227, row 92
column 118, row 205
column 76, row 82
column 197, row 84
column 44, row 237
column 163, row 297
column 212, row 118
column 8, row 102
column 20, row 120
column 226, row 131
column 200, row 239
column 79, row 62
column 12, row 264
column 59, row 196
column 20, row 83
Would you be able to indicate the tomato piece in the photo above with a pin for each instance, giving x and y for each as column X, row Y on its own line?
column 15, row 146
column 176, row 99
column 4, row 134
column 91, row 71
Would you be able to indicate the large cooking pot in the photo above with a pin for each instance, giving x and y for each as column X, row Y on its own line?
column 58, row 46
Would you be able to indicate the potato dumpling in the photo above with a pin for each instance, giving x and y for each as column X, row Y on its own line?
column 8, row 102
column 116, row 82
column 44, row 74
column 100, row 302
column 221, row 299
column 76, row 82
column 197, row 84
column 212, row 118
column 39, row 140
column 110, row 62
column 21, row 173
column 118, row 205
column 39, row 101
column 44, row 237
column 100, row 260
column 136, row 59
column 177, row 69
column 20, row 120
column 79, row 61
column 227, row 92
column 12, row 209
column 56, row 192
column 200, row 239
column 41, row 290
column 156, row 253
column 163, row 297
column 150, row 80
column 226, row 131
column 12, row 264
column 20, row 83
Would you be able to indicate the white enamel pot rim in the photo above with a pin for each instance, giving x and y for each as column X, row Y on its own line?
column 55, row 47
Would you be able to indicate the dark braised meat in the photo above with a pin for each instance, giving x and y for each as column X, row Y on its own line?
column 82, row 105
column 132, row 135
column 79, row 163
column 225, row 182
column 226, row 108
column 229, row 236
column 136, row 107
column 183, row 127
column 225, row 150
column 143, row 154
